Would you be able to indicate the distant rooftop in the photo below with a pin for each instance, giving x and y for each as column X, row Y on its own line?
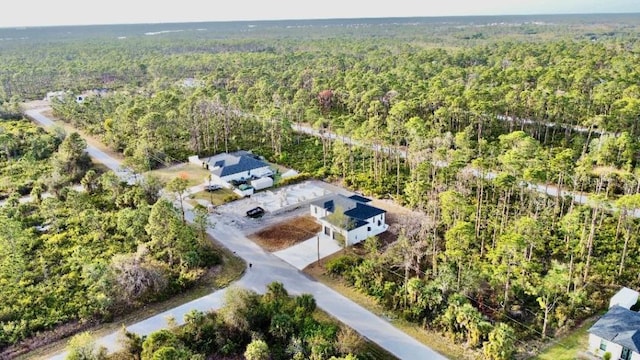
column 620, row 326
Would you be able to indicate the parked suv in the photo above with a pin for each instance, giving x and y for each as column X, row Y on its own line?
column 255, row 212
column 212, row 187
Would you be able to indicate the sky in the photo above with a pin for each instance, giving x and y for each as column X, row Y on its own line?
column 68, row 12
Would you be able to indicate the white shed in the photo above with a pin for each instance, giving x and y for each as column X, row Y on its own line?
column 625, row 298
column 262, row 183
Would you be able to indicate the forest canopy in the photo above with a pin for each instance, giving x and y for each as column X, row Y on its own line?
column 469, row 121
column 84, row 254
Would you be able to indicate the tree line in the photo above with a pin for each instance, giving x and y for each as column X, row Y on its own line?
column 274, row 325
column 84, row 256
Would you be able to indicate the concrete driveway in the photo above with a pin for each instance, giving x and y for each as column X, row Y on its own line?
column 309, row 251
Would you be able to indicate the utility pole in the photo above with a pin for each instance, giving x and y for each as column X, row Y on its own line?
column 318, row 245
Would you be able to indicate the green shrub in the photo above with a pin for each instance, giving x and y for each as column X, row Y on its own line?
column 341, row 264
column 230, row 198
column 294, row 179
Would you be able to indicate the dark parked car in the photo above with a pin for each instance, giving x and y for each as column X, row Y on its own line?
column 237, row 183
column 255, row 212
column 213, row 187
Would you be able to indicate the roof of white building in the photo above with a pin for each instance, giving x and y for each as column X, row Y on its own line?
column 232, row 163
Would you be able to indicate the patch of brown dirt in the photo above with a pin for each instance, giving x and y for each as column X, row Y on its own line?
column 287, row 233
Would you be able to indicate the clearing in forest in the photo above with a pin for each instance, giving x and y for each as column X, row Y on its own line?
column 287, row 233
column 194, row 175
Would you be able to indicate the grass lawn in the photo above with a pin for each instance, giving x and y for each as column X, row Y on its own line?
column 430, row 338
column 232, row 268
column 194, row 174
column 570, row 346
column 216, row 198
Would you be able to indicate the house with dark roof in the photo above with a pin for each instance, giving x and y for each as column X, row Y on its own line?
column 618, row 331
column 240, row 165
column 348, row 220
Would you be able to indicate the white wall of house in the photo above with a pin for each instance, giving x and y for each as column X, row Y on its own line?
column 353, row 237
column 377, row 224
column 318, row 212
column 614, row 349
column 330, row 231
column 357, row 235
column 245, row 174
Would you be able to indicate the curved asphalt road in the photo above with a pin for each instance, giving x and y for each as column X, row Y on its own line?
column 549, row 189
column 266, row 269
column 97, row 154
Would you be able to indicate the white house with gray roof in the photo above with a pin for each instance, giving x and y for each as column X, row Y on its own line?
column 618, row 331
column 356, row 219
column 239, row 165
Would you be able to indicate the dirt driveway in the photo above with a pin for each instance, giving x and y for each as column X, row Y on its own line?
column 279, row 204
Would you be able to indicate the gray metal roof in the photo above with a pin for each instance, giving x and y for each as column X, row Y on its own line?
column 356, row 211
column 351, row 224
column 620, row 326
column 238, row 162
column 246, row 163
column 363, row 212
column 330, row 203
column 359, row 198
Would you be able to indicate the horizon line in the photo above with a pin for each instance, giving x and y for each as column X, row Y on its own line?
column 20, row 27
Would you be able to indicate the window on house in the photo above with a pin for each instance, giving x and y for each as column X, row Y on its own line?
column 327, row 231
column 626, row 353
column 315, row 210
column 379, row 223
column 368, row 228
column 603, row 345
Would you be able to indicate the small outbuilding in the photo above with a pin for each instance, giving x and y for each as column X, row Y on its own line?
column 262, row 183
column 625, row 297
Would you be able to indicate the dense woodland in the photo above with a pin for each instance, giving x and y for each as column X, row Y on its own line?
column 84, row 255
column 463, row 115
column 258, row 327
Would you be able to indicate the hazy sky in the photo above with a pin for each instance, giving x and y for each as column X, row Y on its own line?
column 67, row 12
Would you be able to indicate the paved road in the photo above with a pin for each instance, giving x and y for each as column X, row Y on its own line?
column 97, row 154
column 575, row 128
column 266, row 269
column 549, row 189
